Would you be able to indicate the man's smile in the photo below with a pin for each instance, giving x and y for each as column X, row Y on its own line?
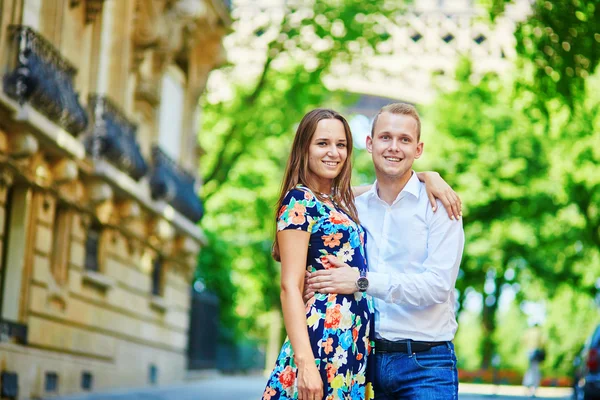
column 393, row 159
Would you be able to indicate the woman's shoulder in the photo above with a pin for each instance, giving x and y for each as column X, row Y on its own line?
column 299, row 193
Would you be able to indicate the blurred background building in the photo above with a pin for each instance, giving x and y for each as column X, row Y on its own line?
column 98, row 188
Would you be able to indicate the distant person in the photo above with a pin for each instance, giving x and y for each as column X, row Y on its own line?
column 534, row 343
column 414, row 256
column 329, row 346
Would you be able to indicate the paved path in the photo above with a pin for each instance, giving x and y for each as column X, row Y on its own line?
column 251, row 387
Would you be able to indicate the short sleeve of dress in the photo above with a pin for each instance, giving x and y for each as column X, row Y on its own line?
column 298, row 211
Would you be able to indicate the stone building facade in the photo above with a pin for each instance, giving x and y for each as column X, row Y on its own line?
column 98, row 191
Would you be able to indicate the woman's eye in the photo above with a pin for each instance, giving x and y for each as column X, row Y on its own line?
column 321, row 144
column 341, row 145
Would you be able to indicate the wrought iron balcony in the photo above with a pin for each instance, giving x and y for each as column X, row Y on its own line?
column 174, row 185
column 40, row 76
column 114, row 138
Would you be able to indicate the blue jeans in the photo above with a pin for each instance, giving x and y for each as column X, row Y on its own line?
column 428, row 375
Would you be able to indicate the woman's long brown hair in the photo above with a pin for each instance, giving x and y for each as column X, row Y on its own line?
column 297, row 171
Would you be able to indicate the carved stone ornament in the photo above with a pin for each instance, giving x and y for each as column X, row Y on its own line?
column 7, row 176
column 164, row 31
column 92, row 8
column 99, row 191
column 65, row 170
column 23, row 145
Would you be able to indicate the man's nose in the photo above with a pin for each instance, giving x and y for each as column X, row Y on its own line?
column 395, row 145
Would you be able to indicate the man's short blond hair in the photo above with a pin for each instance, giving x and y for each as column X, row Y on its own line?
column 399, row 109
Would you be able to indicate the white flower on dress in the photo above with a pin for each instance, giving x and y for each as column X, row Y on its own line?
column 346, row 321
column 346, row 252
column 340, row 357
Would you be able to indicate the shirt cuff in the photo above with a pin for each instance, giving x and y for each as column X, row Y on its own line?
column 378, row 284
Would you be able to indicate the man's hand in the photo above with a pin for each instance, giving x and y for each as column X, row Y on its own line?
column 340, row 279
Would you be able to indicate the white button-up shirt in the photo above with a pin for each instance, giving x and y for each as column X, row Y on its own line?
column 414, row 255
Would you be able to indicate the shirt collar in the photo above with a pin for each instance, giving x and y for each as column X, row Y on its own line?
column 412, row 187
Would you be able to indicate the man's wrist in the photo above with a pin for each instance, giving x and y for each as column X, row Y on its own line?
column 362, row 282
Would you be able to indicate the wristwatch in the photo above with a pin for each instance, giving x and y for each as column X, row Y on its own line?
column 362, row 283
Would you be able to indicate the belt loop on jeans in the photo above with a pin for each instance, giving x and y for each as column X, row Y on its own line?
column 408, row 347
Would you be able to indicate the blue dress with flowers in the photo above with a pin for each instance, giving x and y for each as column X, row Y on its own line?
column 340, row 327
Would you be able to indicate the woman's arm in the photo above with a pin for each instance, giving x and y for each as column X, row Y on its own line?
column 293, row 248
column 437, row 188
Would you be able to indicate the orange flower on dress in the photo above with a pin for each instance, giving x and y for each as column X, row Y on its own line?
column 355, row 334
column 281, row 211
column 297, row 214
column 268, row 393
column 331, row 372
column 359, row 356
column 328, row 345
column 332, row 240
column 308, row 195
column 287, row 377
column 333, row 317
column 338, row 218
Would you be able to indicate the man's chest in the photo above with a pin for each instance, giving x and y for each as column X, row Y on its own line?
column 395, row 233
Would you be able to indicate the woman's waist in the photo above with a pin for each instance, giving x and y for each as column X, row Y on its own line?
column 333, row 300
column 322, row 263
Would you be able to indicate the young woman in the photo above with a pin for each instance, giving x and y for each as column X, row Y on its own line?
column 329, row 339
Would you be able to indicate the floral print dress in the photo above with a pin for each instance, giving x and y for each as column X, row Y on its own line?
column 340, row 327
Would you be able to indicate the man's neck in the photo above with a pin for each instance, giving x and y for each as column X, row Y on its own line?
column 388, row 188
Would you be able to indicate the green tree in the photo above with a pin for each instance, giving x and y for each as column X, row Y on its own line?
column 561, row 40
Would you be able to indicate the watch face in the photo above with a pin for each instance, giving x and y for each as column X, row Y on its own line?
column 362, row 283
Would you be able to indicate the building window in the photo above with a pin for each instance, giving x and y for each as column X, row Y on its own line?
column 171, row 112
column 157, row 277
column 51, row 382
column 87, row 380
column 61, row 245
column 92, row 246
column 152, row 374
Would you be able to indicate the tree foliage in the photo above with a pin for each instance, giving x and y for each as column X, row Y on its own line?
column 522, row 150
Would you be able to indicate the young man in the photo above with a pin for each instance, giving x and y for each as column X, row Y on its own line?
column 413, row 256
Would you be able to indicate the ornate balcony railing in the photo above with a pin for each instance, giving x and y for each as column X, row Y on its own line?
column 114, row 138
column 174, row 185
column 42, row 77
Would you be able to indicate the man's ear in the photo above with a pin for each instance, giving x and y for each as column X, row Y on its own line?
column 369, row 144
column 419, row 151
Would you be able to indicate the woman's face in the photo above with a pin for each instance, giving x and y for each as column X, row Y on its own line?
column 327, row 153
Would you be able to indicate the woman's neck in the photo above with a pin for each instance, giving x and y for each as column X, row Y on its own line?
column 323, row 186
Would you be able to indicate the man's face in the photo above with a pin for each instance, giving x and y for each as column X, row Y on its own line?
column 394, row 145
